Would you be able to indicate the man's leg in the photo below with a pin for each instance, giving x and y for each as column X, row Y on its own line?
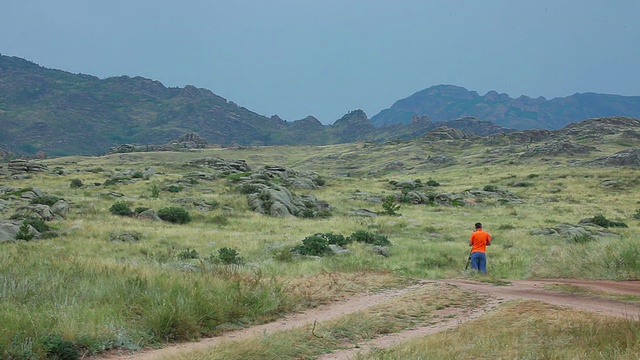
column 475, row 263
column 482, row 263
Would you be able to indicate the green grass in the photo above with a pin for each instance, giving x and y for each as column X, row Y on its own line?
column 526, row 330
column 102, row 295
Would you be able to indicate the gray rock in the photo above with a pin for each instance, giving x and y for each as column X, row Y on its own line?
column 36, row 211
column 337, row 249
column 60, row 208
column 381, row 250
column 125, row 236
column 150, row 215
column 363, row 213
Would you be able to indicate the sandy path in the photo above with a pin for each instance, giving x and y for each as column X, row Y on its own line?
column 449, row 318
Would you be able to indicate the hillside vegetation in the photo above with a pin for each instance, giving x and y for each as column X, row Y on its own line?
column 100, row 276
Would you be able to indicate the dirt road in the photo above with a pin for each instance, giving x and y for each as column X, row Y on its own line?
column 517, row 289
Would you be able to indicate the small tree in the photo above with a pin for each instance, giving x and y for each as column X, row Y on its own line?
column 24, row 232
column 389, row 205
column 155, row 191
column 76, row 183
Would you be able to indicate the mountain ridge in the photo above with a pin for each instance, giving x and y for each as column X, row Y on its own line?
column 443, row 102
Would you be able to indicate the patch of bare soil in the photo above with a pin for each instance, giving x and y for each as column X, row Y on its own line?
column 448, row 318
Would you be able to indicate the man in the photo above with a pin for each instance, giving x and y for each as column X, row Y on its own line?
column 479, row 241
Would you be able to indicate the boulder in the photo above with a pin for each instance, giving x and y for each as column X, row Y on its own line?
column 150, row 214
column 36, row 211
column 630, row 157
column 60, row 208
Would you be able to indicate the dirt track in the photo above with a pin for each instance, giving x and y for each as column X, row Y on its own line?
column 518, row 289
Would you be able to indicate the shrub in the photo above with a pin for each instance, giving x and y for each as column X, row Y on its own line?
column 120, row 208
column 58, row 348
column 229, row 256
column 282, row 255
column 174, row 214
column 336, row 239
column 173, row 188
column 24, row 233
column 155, row 191
column 37, row 224
column 314, row 245
column 249, row 188
column 137, row 175
column 637, row 215
column 48, row 200
column 76, row 183
column 389, row 205
column 433, row 183
column 109, row 182
column 188, row 254
column 604, row 222
column 490, row 188
column 366, row 237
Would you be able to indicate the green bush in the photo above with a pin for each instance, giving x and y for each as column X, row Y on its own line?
column 155, row 191
column 57, row 348
column 174, row 214
column 490, row 188
column 336, row 239
column 389, row 205
column 48, row 200
column 229, row 256
column 188, row 254
column 121, row 208
column 314, row 245
column 37, row 224
column 24, row 233
column 637, row 214
column 433, row 183
column 606, row 223
column 173, row 188
column 76, row 183
column 366, row 237
column 249, row 189
column 137, row 175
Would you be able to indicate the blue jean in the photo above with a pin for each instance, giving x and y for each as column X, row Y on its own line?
column 479, row 262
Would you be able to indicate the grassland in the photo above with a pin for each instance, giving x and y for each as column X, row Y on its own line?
column 99, row 295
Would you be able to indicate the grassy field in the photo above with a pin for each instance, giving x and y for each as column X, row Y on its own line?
column 82, row 290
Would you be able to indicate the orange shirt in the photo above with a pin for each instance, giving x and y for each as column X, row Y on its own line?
column 479, row 240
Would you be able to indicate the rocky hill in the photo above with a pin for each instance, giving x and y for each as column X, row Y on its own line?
column 53, row 113
column 444, row 102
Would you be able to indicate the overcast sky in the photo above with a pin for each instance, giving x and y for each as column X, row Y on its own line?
column 326, row 57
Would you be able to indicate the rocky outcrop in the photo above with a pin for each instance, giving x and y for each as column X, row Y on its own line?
column 185, row 142
column 10, row 228
column 269, row 192
column 629, row 157
column 557, row 148
column 221, row 166
column 447, row 133
column 20, row 166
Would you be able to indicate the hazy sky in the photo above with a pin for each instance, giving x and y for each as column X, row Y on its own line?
column 326, row 57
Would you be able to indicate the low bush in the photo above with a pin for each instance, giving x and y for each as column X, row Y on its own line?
column 336, row 239
column 58, row 348
column 48, row 200
column 314, row 245
column 24, row 233
column 604, row 222
column 121, row 208
column 366, row 237
column 188, row 254
column 229, row 256
column 433, row 183
column 389, row 205
column 174, row 214
column 140, row 209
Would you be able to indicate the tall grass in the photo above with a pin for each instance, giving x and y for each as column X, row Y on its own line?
column 527, row 330
column 102, row 294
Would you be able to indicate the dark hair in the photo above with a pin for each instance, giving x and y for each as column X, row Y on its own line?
column 478, row 226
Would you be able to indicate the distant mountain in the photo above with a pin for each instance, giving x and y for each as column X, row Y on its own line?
column 444, row 102
column 60, row 113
